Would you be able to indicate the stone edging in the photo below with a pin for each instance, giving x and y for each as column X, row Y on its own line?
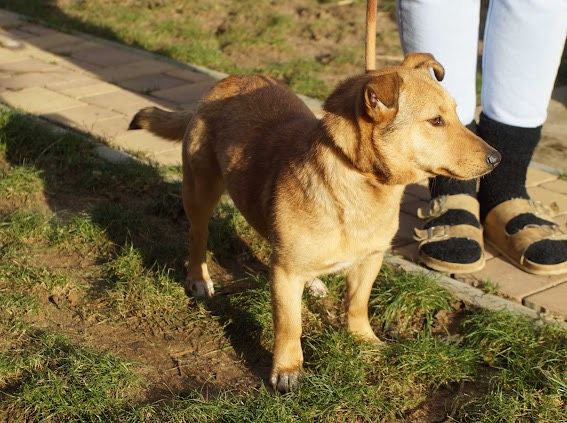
column 472, row 295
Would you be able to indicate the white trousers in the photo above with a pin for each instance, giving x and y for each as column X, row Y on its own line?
column 523, row 42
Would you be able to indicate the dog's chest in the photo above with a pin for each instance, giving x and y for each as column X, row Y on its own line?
column 362, row 235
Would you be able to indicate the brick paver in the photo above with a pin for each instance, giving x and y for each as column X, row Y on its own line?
column 105, row 56
column 558, row 186
column 84, row 117
column 9, row 56
column 96, row 86
column 556, row 200
column 140, row 67
column 185, row 93
column 85, row 89
column 552, row 301
column 27, row 65
column 146, row 143
column 38, row 100
column 513, row 282
column 121, row 101
column 537, row 177
column 152, row 82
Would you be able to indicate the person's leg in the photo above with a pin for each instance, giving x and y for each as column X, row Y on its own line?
column 449, row 30
column 523, row 43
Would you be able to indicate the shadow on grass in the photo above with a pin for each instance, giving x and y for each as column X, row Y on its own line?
column 139, row 206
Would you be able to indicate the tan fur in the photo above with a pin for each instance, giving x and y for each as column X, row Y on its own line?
column 168, row 125
column 325, row 193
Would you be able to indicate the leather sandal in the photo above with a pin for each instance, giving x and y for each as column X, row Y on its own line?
column 437, row 207
column 514, row 246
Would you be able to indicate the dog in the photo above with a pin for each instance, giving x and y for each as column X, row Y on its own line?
column 325, row 193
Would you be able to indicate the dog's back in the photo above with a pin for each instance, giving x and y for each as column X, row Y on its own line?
column 247, row 127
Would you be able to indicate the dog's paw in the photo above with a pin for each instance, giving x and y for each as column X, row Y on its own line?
column 285, row 381
column 368, row 337
column 316, row 288
column 200, row 288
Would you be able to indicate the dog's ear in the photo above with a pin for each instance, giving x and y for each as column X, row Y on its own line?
column 381, row 97
column 424, row 60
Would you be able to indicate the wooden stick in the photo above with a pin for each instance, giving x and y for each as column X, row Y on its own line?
column 371, row 10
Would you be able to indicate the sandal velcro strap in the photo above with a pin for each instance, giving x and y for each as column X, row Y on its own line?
column 443, row 232
column 514, row 246
column 506, row 211
column 441, row 204
column 529, row 234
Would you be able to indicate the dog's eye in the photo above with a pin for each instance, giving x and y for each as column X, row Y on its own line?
column 437, row 121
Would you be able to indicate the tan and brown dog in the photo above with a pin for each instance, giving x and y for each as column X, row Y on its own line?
column 325, row 193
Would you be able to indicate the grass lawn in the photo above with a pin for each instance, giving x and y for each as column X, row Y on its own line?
column 95, row 326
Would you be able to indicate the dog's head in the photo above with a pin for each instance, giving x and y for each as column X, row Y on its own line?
column 404, row 126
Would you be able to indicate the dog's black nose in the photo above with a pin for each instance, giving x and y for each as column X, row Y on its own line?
column 493, row 158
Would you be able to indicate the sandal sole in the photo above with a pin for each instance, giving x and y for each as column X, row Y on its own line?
column 448, row 267
column 531, row 267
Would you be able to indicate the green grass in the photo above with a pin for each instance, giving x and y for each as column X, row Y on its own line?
column 112, row 235
column 44, row 376
column 406, row 304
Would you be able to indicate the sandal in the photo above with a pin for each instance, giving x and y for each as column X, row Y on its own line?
column 438, row 207
column 514, row 246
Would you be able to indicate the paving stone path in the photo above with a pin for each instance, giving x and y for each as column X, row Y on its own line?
column 96, row 86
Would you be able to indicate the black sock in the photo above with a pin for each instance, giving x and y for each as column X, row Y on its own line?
column 454, row 250
column 508, row 181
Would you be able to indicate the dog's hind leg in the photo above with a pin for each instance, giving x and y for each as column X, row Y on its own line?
column 202, row 187
column 360, row 279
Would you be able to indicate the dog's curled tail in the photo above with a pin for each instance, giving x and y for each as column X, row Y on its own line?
column 168, row 125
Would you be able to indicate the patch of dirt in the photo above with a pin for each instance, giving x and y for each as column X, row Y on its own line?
column 178, row 359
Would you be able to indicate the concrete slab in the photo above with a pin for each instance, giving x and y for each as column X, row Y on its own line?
column 103, row 55
column 171, row 157
column 412, row 204
column 39, row 100
column 536, row 177
column 8, row 19
column 405, row 232
column 145, row 142
column 514, row 283
column 120, row 101
column 557, row 201
column 408, row 251
column 49, row 42
column 141, row 66
column 189, row 75
column 108, row 129
column 151, row 82
column 418, row 191
column 8, row 56
column 87, row 89
column 33, row 79
column 83, row 118
column 36, row 29
column 558, row 186
column 552, row 301
column 27, row 65
column 186, row 93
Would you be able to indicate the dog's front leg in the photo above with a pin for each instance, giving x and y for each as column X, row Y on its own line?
column 360, row 279
column 287, row 290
